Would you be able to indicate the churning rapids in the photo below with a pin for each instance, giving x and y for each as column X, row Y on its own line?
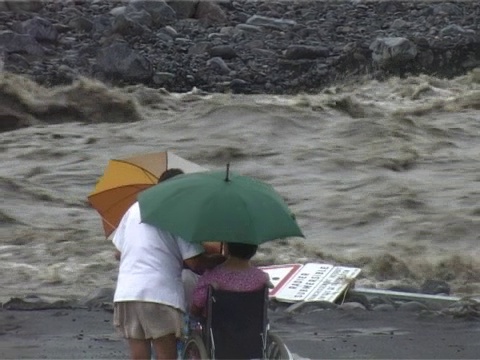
column 381, row 175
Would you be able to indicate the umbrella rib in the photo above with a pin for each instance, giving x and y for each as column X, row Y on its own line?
column 118, row 201
column 117, row 187
column 109, row 224
column 149, row 174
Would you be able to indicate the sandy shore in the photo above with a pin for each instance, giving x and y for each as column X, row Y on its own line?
column 328, row 334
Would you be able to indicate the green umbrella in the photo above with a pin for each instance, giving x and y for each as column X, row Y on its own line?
column 212, row 206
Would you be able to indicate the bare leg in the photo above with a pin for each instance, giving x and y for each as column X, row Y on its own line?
column 165, row 347
column 140, row 349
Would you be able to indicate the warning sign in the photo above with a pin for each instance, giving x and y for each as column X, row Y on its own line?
column 333, row 284
column 280, row 274
column 309, row 282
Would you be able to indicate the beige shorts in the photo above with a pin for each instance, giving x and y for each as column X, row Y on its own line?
column 146, row 320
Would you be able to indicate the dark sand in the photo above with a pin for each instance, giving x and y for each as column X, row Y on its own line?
column 328, row 334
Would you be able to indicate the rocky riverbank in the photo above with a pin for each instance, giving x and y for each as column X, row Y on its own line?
column 237, row 45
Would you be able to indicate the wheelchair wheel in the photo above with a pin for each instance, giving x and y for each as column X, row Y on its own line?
column 276, row 349
column 195, row 349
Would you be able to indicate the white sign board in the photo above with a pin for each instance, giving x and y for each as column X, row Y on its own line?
column 279, row 275
column 333, row 284
column 310, row 282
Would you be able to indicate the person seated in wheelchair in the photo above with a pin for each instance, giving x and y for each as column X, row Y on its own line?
column 229, row 308
column 236, row 274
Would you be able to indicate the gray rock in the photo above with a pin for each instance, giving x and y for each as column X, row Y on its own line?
column 161, row 78
column 446, row 9
column 465, row 308
column 218, row 36
column 119, row 10
column 435, row 287
column 238, row 85
column 210, row 13
column 452, row 29
column 199, row 48
column 21, row 6
column 249, row 28
column 39, row 28
column 182, row 41
column 141, row 17
column 413, row 306
column 19, row 61
column 351, row 306
column 264, row 53
column 161, row 13
column 384, row 307
column 358, row 298
column 101, row 24
column 395, row 50
column 307, row 307
column 219, row 65
column 223, row 51
column 20, row 43
column 183, row 8
column 125, row 25
column 258, row 20
column 170, row 31
column 81, row 24
column 399, row 24
column 120, row 61
column 163, row 37
column 296, row 52
column 254, row 44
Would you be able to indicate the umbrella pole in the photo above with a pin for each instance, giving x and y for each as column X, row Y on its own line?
column 228, row 172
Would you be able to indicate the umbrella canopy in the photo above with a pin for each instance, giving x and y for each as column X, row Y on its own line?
column 123, row 178
column 210, row 206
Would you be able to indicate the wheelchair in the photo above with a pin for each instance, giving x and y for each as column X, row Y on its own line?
column 236, row 327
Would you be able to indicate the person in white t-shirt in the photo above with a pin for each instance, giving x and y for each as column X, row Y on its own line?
column 149, row 299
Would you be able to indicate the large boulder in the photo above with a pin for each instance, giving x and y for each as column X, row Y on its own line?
column 184, row 8
column 132, row 24
column 209, row 12
column 21, row 6
column 393, row 51
column 121, row 62
column 160, row 12
column 12, row 42
column 39, row 28
column 295, row 52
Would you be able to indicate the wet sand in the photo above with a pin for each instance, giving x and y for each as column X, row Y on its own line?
column 327, row 334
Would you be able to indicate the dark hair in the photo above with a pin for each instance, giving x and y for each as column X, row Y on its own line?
column 169, row 173
column 242, row 251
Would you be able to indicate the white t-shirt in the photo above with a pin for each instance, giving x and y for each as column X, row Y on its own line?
column 151, row 262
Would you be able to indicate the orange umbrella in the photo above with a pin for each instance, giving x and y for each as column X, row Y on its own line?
column 124, row 178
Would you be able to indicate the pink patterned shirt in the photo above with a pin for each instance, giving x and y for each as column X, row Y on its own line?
column 250, row 279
